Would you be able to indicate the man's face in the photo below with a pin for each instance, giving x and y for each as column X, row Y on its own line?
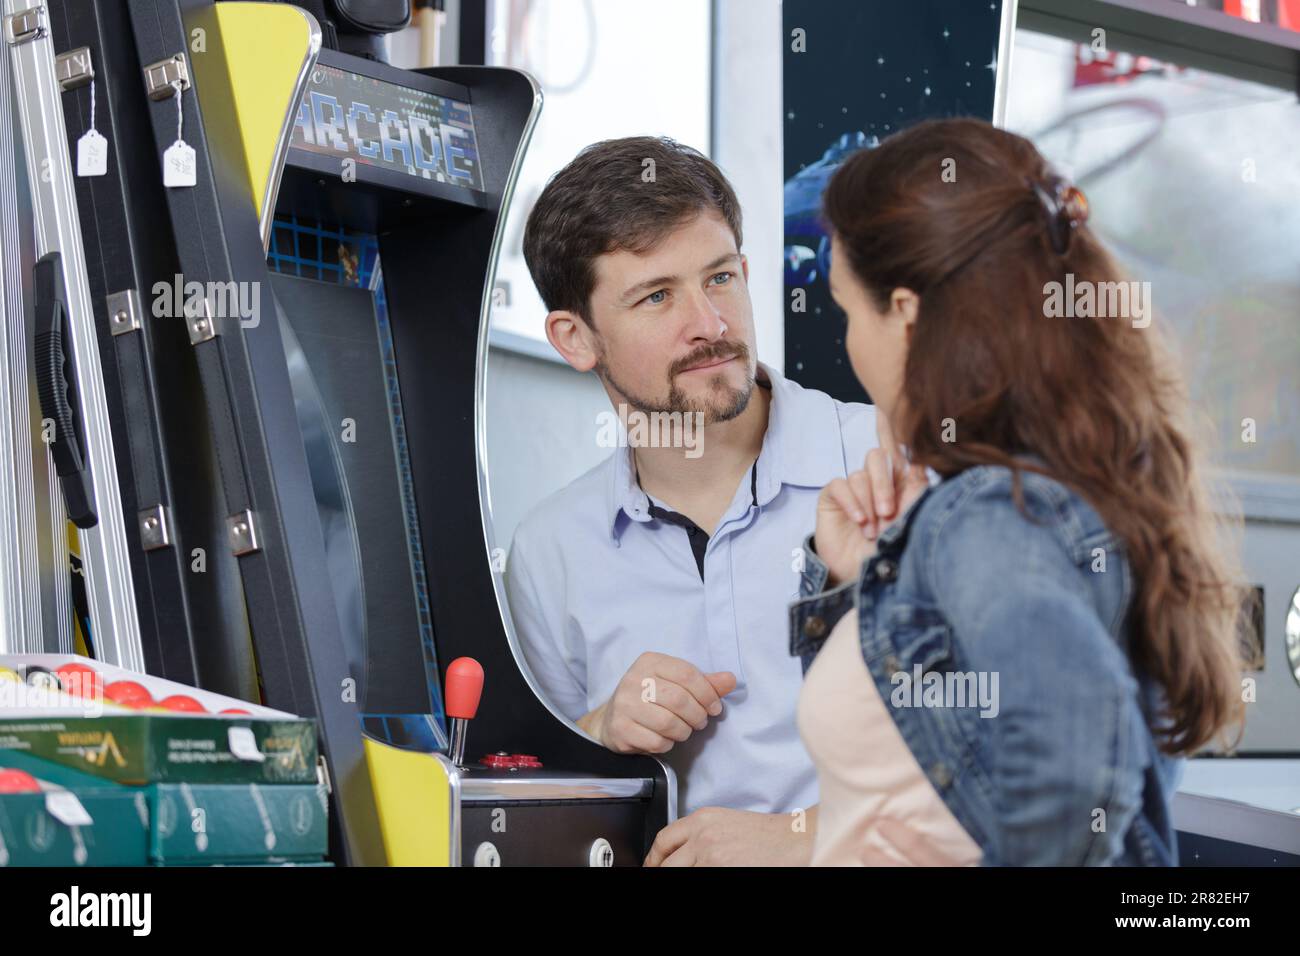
column 674, row 326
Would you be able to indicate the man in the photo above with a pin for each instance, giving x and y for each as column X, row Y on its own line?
column 650, row 595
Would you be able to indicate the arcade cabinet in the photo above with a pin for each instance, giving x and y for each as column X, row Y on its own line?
column 308, row 296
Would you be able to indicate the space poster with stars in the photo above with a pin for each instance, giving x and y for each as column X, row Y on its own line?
column 867, row 70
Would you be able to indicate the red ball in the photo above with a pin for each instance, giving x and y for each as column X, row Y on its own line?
column 80, row 680
column 18, row 781
column 183, row 704
column 129, row 693
column 236, row 710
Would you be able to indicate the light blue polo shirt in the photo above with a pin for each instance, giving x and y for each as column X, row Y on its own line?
column 594, row 581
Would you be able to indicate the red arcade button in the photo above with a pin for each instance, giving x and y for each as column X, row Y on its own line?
column 504, row 761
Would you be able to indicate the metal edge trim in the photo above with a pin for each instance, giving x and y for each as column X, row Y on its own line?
column 480, row 396
column 286, row 131
column 561, row 788
column 21, row 605
column 1002, row 78
column 453, row 804
column 104, row 551
column 480, row 436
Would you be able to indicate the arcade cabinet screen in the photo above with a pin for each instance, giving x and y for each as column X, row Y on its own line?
column 379, row 124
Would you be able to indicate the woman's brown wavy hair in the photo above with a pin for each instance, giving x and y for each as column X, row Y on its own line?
column 1099, row 401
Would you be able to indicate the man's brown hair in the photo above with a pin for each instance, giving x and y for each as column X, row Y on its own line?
column 618, row 194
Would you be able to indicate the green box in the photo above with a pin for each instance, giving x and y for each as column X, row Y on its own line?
column 153, row 748
column 31, row 836
column 171, row 824
column 225, row 823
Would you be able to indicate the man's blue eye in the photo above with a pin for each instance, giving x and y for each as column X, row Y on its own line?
column 725, row 276
column 651, row 297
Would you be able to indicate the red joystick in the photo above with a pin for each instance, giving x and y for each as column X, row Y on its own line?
column 464, row 687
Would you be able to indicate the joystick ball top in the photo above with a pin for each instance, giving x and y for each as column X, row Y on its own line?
column 464, row 687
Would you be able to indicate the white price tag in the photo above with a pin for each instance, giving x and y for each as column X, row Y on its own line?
column 92, row 154
column 244, row 745
column 64, row 806
column 178, row 165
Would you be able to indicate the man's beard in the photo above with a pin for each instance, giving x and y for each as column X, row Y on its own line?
column 730, row 405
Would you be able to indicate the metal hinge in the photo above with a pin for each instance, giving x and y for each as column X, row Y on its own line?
column 124, row 312
column 160, row 78
column 74, row 68
column 155, row 528
column 200, row 322
column 24, row 26
column 243, row 534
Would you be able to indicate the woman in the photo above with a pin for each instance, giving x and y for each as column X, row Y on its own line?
column 1010, row 672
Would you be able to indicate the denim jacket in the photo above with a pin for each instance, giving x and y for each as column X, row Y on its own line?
column 968, row 608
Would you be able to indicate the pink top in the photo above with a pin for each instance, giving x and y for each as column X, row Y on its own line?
column 877, row 806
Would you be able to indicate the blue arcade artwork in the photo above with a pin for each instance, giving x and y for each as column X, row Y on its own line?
column 860, row 72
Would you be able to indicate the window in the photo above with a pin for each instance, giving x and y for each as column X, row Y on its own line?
column 1195, row 185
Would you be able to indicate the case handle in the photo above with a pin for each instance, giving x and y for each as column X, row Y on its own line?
column 56, row 387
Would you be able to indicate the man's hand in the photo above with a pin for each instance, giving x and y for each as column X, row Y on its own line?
column 714, row 836
column 852, row 511
column 660, row 701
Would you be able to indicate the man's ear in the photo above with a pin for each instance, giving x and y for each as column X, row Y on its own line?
column 573, row 338
column 744, row 267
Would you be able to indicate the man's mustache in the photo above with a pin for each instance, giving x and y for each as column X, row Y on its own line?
column 709, row 355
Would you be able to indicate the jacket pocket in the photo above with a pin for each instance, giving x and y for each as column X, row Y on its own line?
column 919, row 635
column 933, row 700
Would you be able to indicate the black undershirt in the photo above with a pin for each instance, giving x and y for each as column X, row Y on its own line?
column 699, row 538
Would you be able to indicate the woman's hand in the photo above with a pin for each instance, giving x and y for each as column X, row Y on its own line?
column 852, row 511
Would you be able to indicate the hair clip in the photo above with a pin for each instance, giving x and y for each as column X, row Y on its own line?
column 1067, row 209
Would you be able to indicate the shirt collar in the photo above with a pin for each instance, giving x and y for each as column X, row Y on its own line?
column 803, row 446
column 625, row 495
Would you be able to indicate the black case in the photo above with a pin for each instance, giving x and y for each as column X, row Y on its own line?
column 357, row 26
